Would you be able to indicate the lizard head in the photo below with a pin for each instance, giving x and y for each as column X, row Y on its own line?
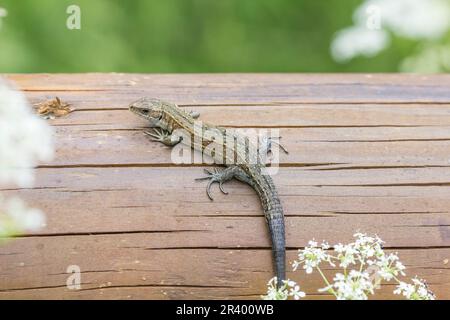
column 148, row 108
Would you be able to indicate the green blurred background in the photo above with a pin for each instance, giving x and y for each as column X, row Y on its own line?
column 182, row 36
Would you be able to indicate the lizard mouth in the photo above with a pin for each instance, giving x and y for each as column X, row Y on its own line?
column 136, row 110
column 141, row 112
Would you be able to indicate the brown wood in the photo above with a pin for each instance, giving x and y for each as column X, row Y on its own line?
column 367, row 152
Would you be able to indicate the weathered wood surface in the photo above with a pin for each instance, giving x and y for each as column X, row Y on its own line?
column 367, row 152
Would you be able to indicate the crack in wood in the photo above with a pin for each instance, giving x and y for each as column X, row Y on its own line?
column 169, row 165
column 385, row 212
column 97, row 233
column 163, row 286
column 105, row 271
column 417, row 184
column 381, row 167
column 377, row 141
column 39, row 288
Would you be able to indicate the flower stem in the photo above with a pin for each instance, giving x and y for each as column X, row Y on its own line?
column 326, row 281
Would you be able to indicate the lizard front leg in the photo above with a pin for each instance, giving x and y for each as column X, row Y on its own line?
column 165, row 137
column 267, row 144
column 265, row 148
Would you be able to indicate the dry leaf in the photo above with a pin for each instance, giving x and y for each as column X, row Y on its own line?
column 52, row 109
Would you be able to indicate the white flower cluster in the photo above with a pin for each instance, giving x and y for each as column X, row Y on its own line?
column 288, row 289
column 353, row 286
column 312, row 256
column 418, row 290
column 3, row 13
column 16, row 217
column 413, row 19
column 364, row 266
column 431, row 58
column 24, row 139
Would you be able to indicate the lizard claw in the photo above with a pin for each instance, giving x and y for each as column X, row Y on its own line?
column 208, row 190
column 215, row 176
column 209, row 174
column 221, row 188
column 281, row 146
column 276, row 140
column 158, row 135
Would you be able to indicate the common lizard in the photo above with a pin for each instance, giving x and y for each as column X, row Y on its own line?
column 167, row 119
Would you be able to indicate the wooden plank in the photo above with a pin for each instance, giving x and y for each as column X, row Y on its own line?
column 347, row 136
column 367, row 152
column 406, row 210
column 339, row 148
column 123, row 267
column 278, row 116
column 248, row 88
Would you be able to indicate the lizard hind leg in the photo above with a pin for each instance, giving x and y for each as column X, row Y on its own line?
column 218, row 176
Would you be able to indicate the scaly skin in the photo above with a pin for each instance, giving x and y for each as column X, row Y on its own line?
column 169, row 119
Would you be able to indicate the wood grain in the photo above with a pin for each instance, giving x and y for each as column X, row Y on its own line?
column 367, row 152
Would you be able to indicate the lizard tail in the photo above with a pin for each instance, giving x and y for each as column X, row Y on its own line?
column 273, row 211
column 277, row 234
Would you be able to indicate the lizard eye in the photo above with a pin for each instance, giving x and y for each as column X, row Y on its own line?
column 145, row 111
